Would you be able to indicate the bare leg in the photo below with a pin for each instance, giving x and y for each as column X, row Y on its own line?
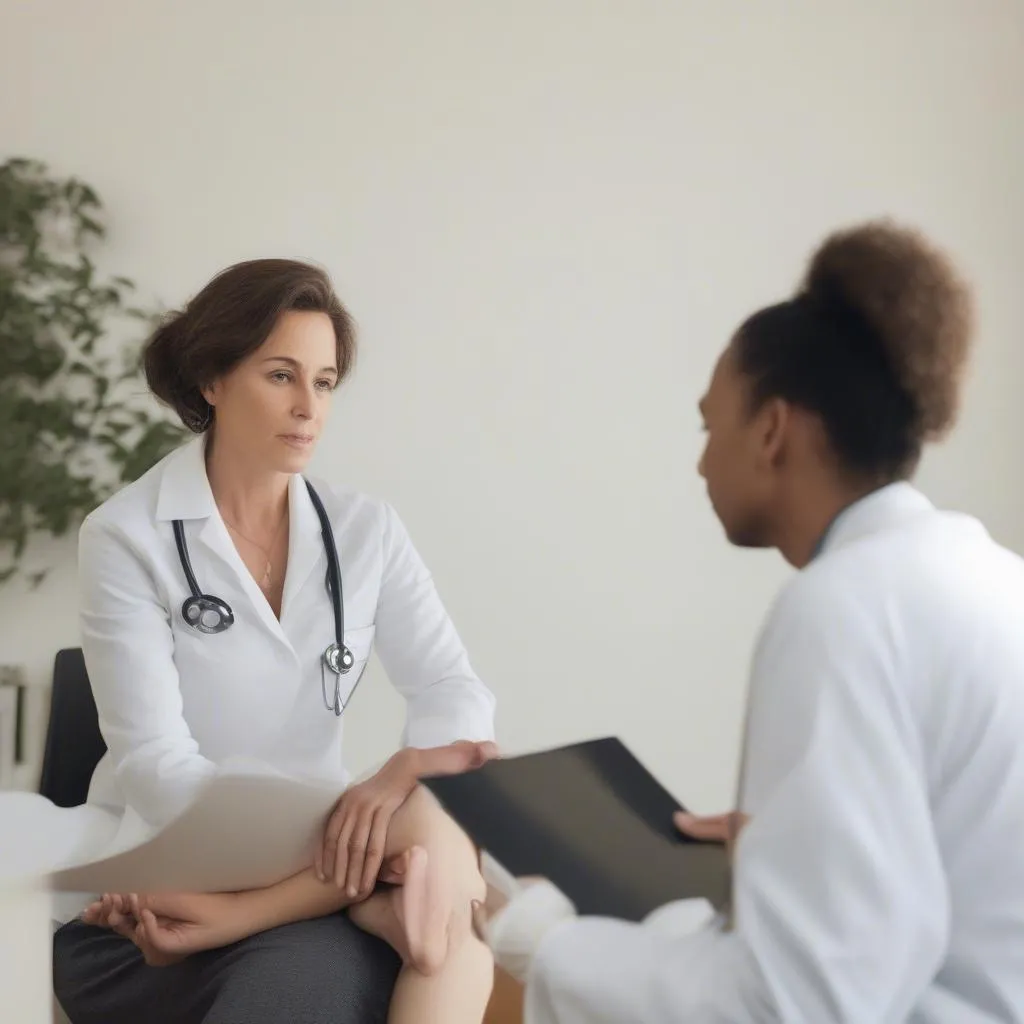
column 457, row 994
column 448, row 972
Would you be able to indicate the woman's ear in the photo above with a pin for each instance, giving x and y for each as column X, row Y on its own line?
column 209, row 392
column 773, row 425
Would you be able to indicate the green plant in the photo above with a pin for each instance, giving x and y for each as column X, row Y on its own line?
column 76, row 421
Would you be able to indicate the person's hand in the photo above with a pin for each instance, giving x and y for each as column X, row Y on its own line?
column 495, row 902
column 354, row 838
column 514, row 927
column 117, row 911
column 715, row 828
column 167, row 926
column 112, row 910
column 170, row 926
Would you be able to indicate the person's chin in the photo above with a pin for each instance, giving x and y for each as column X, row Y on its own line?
column 747, row 534
column 293, row 456
column 747, row 537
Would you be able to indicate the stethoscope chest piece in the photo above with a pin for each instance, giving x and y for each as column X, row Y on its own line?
column 207, row 614
column 338, row 659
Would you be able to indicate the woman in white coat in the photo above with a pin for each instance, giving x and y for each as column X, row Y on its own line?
column 210, row 619
column 879, row 869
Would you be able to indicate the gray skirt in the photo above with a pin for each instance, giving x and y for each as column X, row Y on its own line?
column 323, row 971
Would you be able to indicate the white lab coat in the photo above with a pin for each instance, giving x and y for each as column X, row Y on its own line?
column 881, row 876
column 174, row 703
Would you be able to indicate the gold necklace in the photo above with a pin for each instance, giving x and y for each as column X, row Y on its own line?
column 264, row 583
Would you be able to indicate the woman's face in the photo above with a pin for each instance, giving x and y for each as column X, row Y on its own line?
column 738, row 457
column 271, row 408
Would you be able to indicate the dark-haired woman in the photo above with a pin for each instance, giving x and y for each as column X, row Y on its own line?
column 879, row 875
column 243, row 670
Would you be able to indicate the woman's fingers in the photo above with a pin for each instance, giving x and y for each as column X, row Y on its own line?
column 455, row 758
column 342, row 853
column 358, row 842
column 93, row 913
column 375, row 848
column 332, row 841
column 159, row 938
column 123, row 924
column 318, row 860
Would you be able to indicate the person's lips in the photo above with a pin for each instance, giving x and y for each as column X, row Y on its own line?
column 297, row 440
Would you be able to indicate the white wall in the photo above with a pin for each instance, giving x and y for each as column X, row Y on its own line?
column 547, row 217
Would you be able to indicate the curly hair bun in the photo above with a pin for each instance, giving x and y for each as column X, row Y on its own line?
column 912, row 300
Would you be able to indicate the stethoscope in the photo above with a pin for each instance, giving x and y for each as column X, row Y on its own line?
column 208, row 614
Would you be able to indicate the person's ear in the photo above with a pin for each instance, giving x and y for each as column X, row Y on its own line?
column 209, row 392
column 773, row 424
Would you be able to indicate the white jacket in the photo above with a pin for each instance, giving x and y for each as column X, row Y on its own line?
column 174, row 703
column 880, row 879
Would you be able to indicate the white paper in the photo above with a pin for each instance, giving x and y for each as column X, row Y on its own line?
column 37, row 836
column 245, row 830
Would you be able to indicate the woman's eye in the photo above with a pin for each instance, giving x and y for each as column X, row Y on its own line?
column 325, row 384
column 280, row 376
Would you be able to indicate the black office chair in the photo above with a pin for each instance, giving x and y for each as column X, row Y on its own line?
column 74, row 744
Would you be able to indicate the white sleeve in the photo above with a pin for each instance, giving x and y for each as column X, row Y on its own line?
column 838, row 893
column 422, row 653
column 128, row 647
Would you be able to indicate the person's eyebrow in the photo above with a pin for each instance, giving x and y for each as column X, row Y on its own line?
column 296, row 365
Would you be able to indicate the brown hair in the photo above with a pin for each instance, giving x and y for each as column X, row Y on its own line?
column 875, row 342
column 227, row 321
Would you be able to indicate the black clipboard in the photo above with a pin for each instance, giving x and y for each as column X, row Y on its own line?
column 592, row 819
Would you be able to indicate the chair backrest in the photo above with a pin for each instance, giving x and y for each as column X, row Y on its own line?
column 74, row 744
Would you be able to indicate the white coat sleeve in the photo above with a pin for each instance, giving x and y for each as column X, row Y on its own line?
column 838, row 893
column 128, row 647
column 422, row 653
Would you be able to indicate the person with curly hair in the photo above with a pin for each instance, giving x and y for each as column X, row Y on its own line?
column 877, row 841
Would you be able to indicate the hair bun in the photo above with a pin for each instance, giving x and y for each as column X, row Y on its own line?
column 165, row 363
column 908, row 293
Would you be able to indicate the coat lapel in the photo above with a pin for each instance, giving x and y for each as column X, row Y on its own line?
column 185, row 494
column 305, row 544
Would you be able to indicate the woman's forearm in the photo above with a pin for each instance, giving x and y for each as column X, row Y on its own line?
column 298, row 898
column 420, row 821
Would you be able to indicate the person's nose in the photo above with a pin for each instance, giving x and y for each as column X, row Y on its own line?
column 305, row 403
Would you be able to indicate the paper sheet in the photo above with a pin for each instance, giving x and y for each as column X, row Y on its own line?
column 37, row 836
column 244, row 831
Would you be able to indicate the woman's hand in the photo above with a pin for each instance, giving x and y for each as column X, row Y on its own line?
column 167, row 927
column 173, row 925
column 356, row 834
column 113, row 911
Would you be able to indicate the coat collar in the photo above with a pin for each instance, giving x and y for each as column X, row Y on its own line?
column 887, row 507
column 185, row 494
column 184, row 488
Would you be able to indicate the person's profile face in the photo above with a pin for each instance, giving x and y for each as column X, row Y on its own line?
column 731, row 463
column 275, row 403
